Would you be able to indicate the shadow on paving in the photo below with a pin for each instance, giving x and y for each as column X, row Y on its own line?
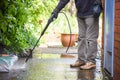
column 51, row 67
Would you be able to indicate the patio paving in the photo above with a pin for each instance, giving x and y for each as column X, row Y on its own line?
column 48, row 64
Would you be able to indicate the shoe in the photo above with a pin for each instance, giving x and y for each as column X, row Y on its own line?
column 88, row 65
column 77, row 64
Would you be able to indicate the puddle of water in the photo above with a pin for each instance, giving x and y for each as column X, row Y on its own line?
column 43, row 55
column 65, row 55
column 53, row 67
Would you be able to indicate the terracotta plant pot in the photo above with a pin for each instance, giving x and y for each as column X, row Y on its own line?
column 65, row 39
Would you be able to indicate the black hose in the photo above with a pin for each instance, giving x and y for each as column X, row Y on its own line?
column 70, row 31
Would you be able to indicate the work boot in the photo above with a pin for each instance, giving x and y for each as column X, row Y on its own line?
column 77, row 64
column 88, row 65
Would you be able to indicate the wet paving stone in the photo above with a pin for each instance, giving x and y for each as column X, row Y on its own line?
column 51, row 67
column 58, row 69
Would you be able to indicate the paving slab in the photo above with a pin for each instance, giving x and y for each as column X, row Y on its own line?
column 51, row 66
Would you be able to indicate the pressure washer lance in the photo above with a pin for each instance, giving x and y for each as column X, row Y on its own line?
column 42, row 33
column 52, row 18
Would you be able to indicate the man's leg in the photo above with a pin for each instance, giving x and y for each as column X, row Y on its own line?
column 92, row 36
column 81, row 40
column 91, row 41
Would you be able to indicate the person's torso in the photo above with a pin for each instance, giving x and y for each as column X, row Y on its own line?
column 84, row 7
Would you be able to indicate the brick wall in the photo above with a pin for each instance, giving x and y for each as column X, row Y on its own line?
column 103, row 4
column 117, row 41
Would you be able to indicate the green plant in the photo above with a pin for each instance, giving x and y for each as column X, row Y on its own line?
column 13, row 16
column 20, row 24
